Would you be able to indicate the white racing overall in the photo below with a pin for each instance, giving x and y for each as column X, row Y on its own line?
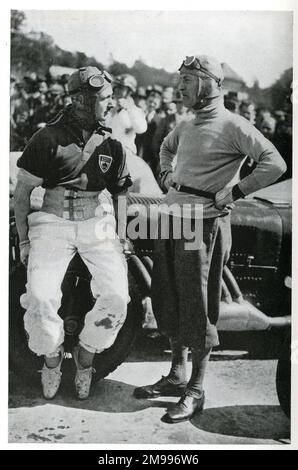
column 53, row 243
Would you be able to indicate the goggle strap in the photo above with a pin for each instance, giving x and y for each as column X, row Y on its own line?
column 210, row 74
column 88, row 81
column 107, row 76
column 202, row 69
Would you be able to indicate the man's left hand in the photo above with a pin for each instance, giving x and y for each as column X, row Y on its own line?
column 224, row 198
column 126, row 246
column 24, row 252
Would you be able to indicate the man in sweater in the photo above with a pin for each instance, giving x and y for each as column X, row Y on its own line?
column 186, row 284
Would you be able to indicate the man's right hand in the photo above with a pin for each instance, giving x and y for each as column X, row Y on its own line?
column 24, row 253
column 168, row 181
column 126, row 103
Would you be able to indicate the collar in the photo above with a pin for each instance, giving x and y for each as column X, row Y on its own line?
column 101, row 130
column 68, row 118
column 213, row 108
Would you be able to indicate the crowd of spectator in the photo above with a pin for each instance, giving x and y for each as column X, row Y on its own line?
column 163, row 109
column 34, row 101
column 275, row 125
column 154, row 112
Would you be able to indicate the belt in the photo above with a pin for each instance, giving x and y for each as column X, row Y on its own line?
column 76, row 193
column 196, row 192
column 74, row 205
column 79, row 205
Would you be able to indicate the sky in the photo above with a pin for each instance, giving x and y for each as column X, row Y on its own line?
column 256, row 44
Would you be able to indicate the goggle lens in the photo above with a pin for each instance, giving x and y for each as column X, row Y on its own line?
column 189, row 60
column 96, row 81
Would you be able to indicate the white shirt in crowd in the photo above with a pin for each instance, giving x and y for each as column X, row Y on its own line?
column 126, row 123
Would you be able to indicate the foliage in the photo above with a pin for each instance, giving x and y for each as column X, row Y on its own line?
column 36, row 52
column 275, row 97
column 29, row 54
column 281, row 90
column 17, row 19
column 149, row 75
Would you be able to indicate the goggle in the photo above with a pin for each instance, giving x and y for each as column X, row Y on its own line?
column 95, row 81
column 193, row 63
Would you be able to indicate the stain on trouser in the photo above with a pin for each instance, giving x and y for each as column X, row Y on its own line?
column 53, row 243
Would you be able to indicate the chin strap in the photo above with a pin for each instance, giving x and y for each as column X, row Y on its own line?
column 206, row 94
column 102, row 129
column 201, row 96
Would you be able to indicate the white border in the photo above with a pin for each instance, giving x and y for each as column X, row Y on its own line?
column 158, row 5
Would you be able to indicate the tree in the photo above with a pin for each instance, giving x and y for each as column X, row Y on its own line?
column 117, row 68
column 274, row 97
column 147, row 75
column 17, row 19
column 281, row 89
column 82, row 60
column 29, row 54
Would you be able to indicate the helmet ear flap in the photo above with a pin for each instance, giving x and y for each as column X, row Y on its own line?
column 79, row 98
column 89, row 101
column 202, row 93
column 200, row 88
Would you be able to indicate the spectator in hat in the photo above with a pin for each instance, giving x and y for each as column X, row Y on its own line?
column 182, row 113
column 231, row 104
column 145, row 141
column 127, row 120
column 140, row 99
column 267, row 126
column 20, row 127
column 247, row 110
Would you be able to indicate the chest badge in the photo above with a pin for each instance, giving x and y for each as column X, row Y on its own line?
column 104, row 161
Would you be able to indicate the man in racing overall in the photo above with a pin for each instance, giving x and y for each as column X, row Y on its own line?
column 186, row 283
column 75, row 160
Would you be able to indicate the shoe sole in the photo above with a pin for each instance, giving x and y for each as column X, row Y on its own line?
column 166, row 418
column 49, row 398
column 178, row 392
column 61, row 348
column 82, row 398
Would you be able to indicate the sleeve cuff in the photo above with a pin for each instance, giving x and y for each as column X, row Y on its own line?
column 163, row 175
column 27, row 178
column 24, row 242
column 237, row 193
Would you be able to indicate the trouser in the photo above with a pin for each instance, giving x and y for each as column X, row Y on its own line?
column 186, row 284
column 53, row 243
